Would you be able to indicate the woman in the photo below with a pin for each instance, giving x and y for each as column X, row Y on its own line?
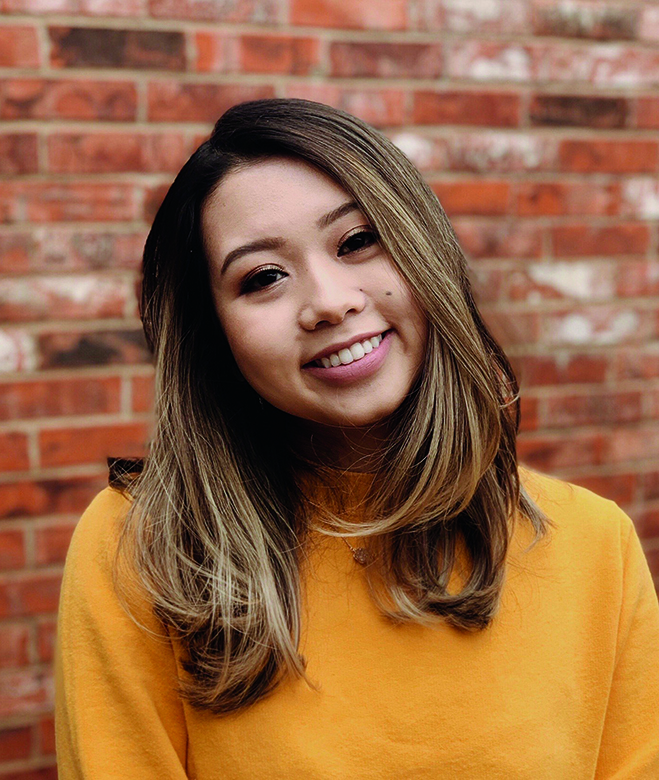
column 330, row 566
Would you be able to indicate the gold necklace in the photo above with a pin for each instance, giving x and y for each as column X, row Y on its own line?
column 360, row 554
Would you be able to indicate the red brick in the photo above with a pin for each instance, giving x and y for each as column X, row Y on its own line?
column 648, row 26
column 536, row 370
column 15, row 743
column 386, row 60
column 44, row 773
column 18, row 153
column 602, row 324
column 494, row 17
column 217, row 52
column 637, row 363
column 278, row 54
column 583, row 240
column 579, row 111
column 638, row 278
column 259, row 11
column 616, row 487
column 593, row 156
column 632, row 444
column 584, row 20
column 583, row 281
column 650, row 485
column 647, row 523
column 63, row 249
column 360, row 14
column 13, row 452
column 494, row 151
column 46, row 638
column 647, row 113
column 68, row 99
column 52, row 542
column 46, row 731
column 153, row 198
column 94, row 47
column 29, row 595
column 12, row 549
column 426, row 152
column 14, row 643
column 489, row 282
column 529, row 414
column 492, row 109
column 640, row 197
column 509, row 331
column 71, row 446
column 493, row 61
column 170, row 101
column 68, row 201
column 551, row 453
column 26, row 691
column 496, row 238
column 57, row 397
column 18, row 350
column 72, row 7
column 93, row 348
column 379, row 107
column 473, row 197
column 143, row 393
column 19, row 47
column 117, row 152
column 15, row 252
column 605, row 66
column 63, row 297
column 53, row 497
column 607, row 408
column 561, row 198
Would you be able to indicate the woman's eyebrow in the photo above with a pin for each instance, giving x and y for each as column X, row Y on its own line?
column 264, row 244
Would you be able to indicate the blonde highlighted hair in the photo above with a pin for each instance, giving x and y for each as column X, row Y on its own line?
column 219, row 519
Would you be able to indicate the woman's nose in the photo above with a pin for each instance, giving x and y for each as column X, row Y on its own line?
column 330, row 294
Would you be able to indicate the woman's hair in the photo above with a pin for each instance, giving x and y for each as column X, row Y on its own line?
column 217, row 526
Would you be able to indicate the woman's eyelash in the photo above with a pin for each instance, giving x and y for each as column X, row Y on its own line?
column 368, row 233
column 261, row 279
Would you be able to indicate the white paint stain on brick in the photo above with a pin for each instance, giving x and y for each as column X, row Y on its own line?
column 416, row 147
column 648, row 28
column 498, row 151
column 580, row 329
column 17, row 351
column 482, row 63
column 469, row 16
column 574, row 280
column 41, row 293
column 641, row 197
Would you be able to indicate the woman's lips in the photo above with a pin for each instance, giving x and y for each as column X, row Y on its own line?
column 358, row 369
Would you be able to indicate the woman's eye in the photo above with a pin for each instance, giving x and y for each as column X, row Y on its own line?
column 261, row 279
column 357, row 241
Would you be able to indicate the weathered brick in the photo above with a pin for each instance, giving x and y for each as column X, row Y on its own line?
column 259, row 11
column 294, row 56
column 647, row 113
column 650, row 485
column 427, row 153
column 492, row 109
column 93, row 348
column 59, row 397
column 473, row 197
column 490, row 151
column 26, row 691
column 14, row 643
column 616, row 487
column 69, row 495
column 43, row 773
column 63, row 297
column 19, row 47
column 640, row 197
column 474, row 16
column 15, row 743
column 71, row 7
column 82, row 99
column 647, row 526
column 361, row 14
column 12, row 549
column 637, row 278
column 637, row 363
column 509, row 331
column 603, row 324
column 46, row 731
column 71, row 446
column 603, row 408
column 594, row 156
column 67, row 201
column 528, row 414
column 94, row 47
column 558, row 198
column 117, row 152
column 386, row 60
column 217, row 52
column 648, row 27
column 584, row 20
column 609, row 66
column 29, row 595
column 153, row 198
column 171, row 101
column 62, row 249
column 489, row 281
column 143, row 393
column 17, row 351
column 379, row 107
column 629, row 444
column 493, row 61
column 630, row 238
column 560, row 368
column 579, row 111
column 584, row 281
column 51, row 543
column 498, row 238
column 13, row 452
column 46, row 637
column 18, row 153
column 15, row 251
column 550, row 453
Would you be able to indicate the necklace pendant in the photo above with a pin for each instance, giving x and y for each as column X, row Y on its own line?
column 360, row 554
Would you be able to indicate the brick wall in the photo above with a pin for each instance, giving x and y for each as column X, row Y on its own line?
column 535, row 122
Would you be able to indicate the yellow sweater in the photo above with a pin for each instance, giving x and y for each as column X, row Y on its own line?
column 563, row 685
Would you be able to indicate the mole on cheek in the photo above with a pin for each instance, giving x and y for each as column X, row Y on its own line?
column 388, row 292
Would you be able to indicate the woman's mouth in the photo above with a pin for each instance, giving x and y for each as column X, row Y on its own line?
column 350, row 354
column 357, row 362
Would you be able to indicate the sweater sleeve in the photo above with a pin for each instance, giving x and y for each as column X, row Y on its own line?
column 117, row 713
column 630, row 739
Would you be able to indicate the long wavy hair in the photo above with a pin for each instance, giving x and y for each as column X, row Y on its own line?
column 220, row 513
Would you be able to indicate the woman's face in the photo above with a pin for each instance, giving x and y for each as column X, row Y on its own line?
column 319, row 321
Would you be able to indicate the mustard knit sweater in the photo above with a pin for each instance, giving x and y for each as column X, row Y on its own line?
column 563, row 685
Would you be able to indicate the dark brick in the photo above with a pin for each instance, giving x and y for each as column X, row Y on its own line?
column 579, row 111
column 95, row 348
column 18, row 153
column 585, row 21
column 90, row 47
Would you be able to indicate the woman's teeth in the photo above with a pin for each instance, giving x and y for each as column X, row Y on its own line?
column 350, row 354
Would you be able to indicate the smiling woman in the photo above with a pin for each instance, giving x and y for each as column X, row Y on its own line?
column 330, row 564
